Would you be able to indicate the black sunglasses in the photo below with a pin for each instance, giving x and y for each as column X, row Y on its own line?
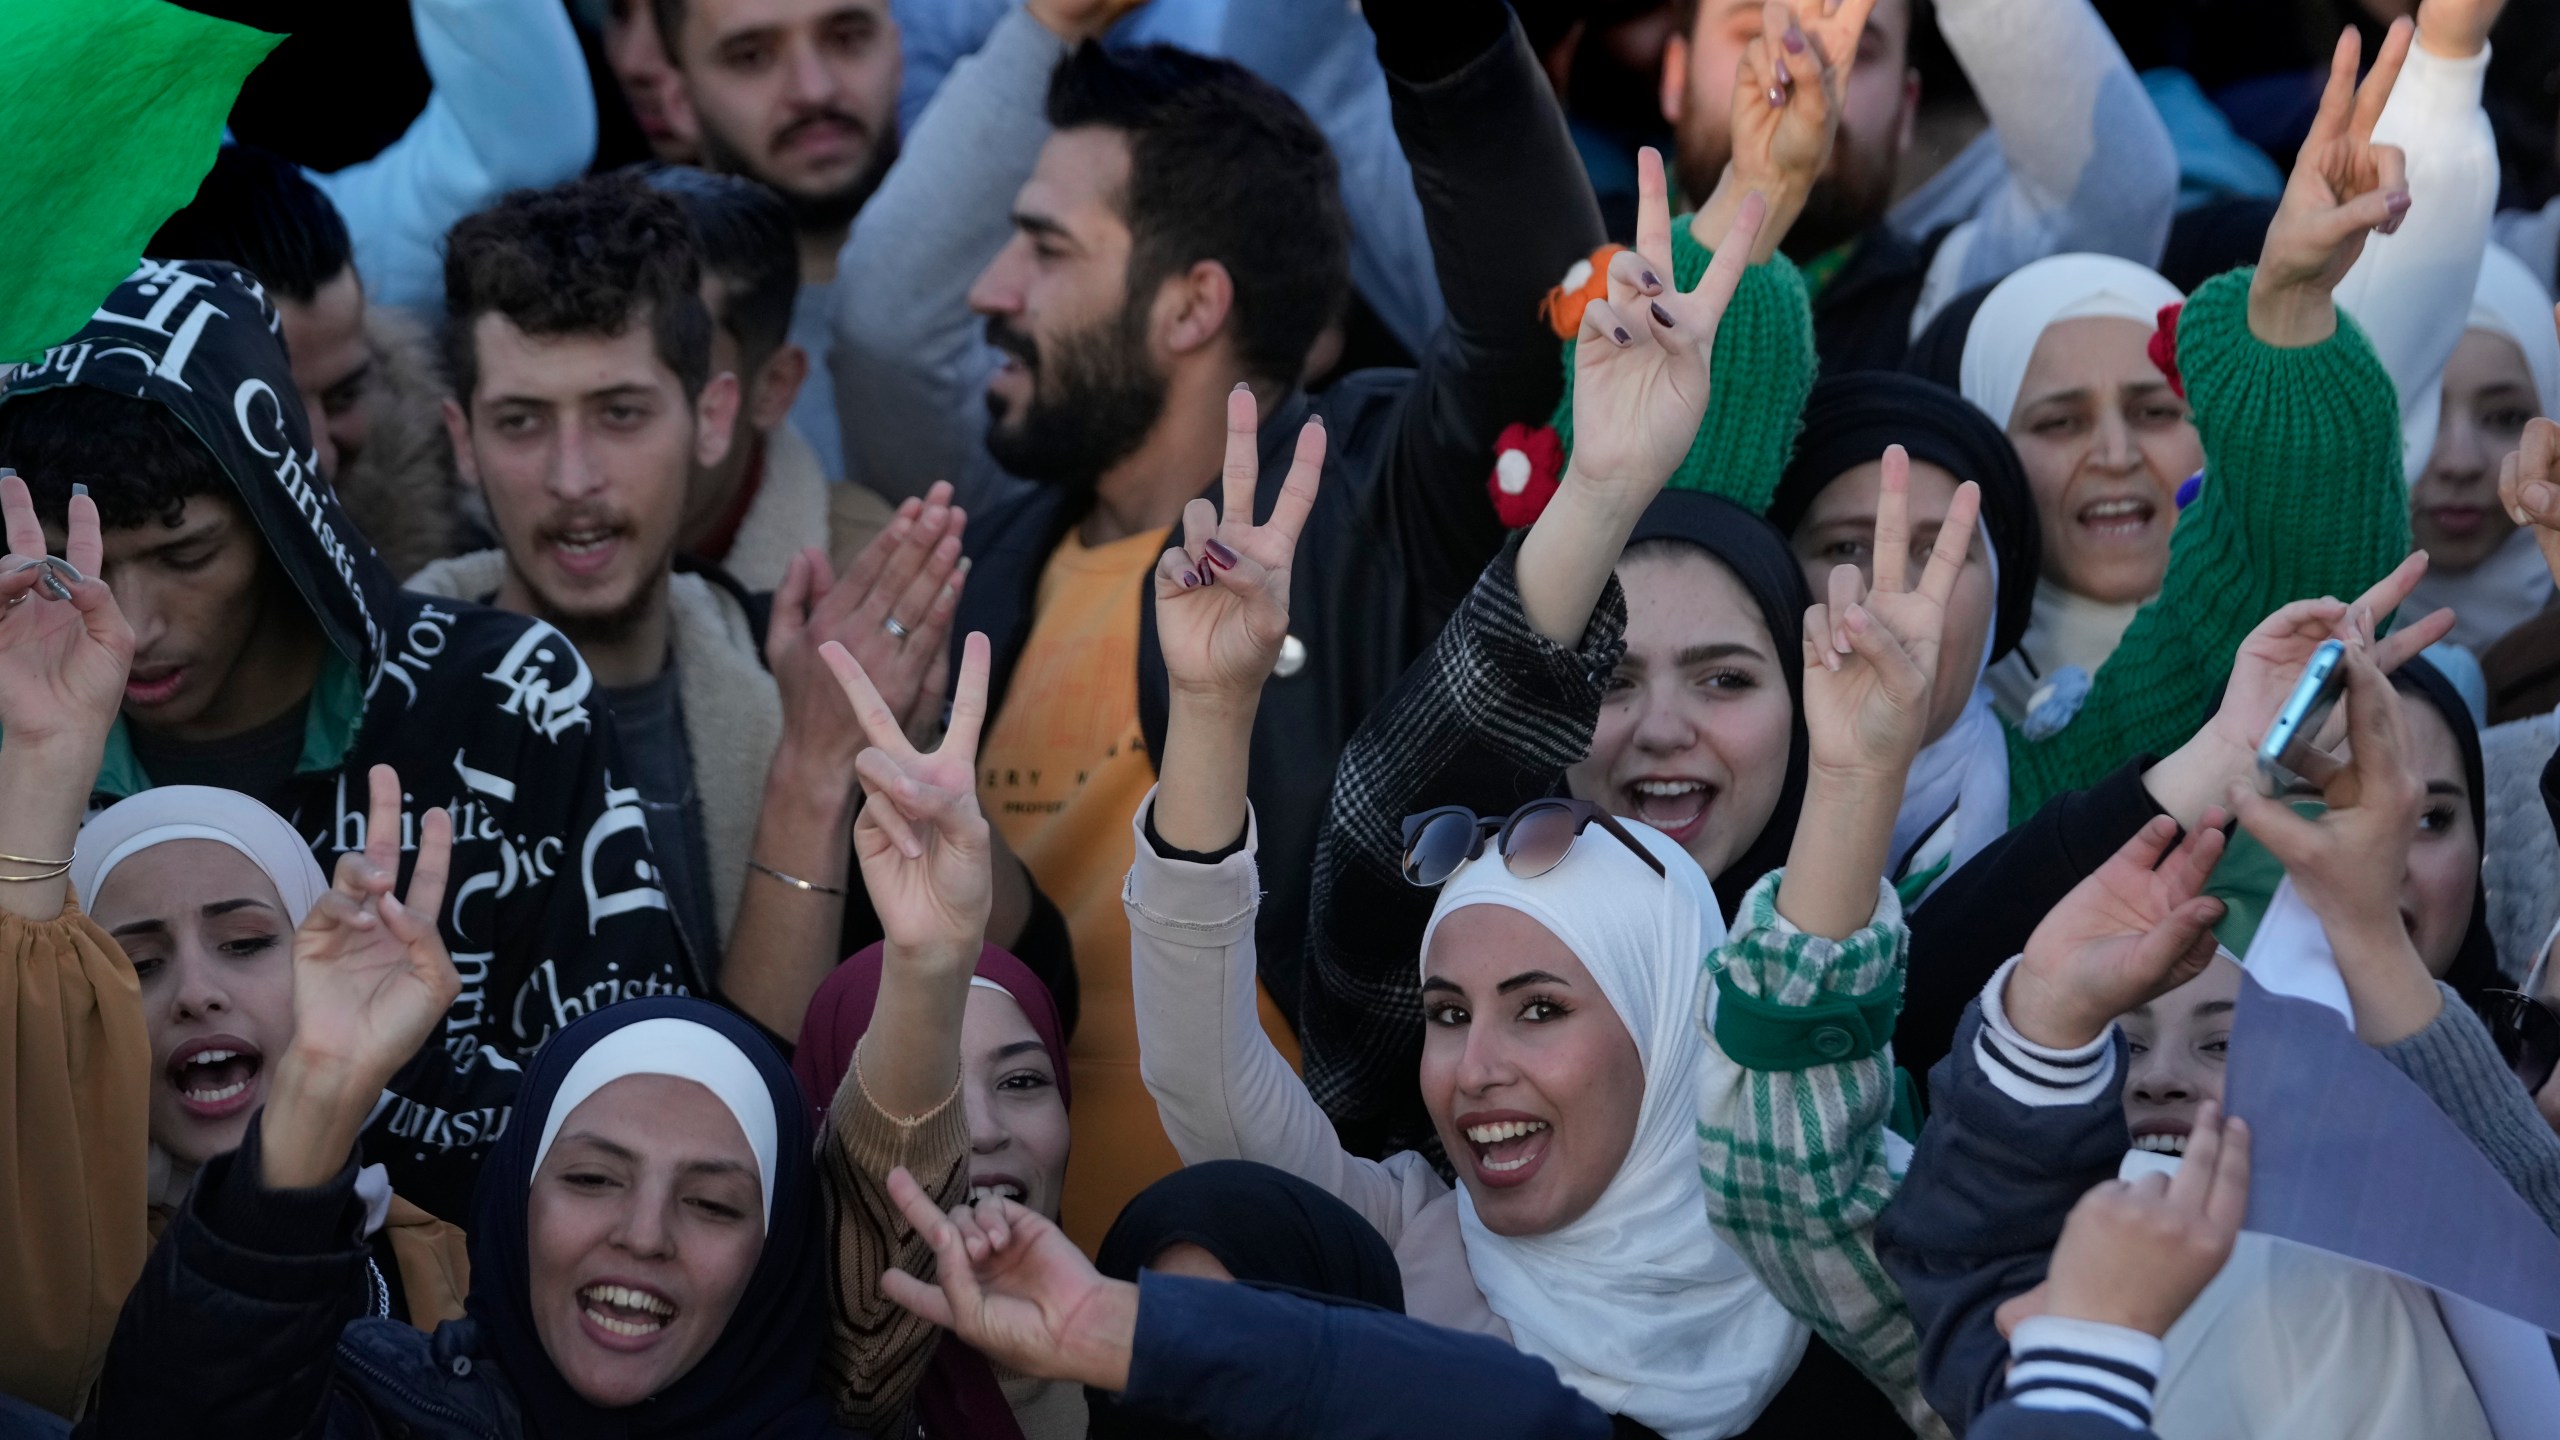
column 1532, row 840
column 2527, row 1034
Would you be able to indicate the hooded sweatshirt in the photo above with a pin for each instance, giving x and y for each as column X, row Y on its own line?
column 553, row 910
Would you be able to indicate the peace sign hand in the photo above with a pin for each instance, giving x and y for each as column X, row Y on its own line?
column 923, row 844
column 1786, row 102
column 371, row 979
column 1870, row 659
column 2343, row 186
column 1222, row 595
column 1640, row 364
column 64, row 645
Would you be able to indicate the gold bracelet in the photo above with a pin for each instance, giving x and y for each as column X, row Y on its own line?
column 45, row 870
column 794, row 881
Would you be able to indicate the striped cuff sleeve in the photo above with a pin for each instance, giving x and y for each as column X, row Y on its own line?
column 2063, row 1364
column 2034, row 1074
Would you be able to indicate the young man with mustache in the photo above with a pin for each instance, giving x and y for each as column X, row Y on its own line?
column 585, row 404
column 801, row 95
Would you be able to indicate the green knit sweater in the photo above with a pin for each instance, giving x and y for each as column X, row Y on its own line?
column 1763, row 370
column 2302, row 497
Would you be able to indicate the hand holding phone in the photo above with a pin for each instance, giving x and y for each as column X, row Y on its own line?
column 2290, row 755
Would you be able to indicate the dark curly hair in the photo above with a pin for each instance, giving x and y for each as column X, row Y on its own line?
column 1224, row 167
column 590, row 257
column 746, row 238
column 139, row 460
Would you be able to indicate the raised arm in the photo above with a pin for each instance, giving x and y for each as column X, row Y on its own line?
column 1506, row 698
column 2090, row 165
column 2411, row 289
column 1816, row 957
column 2302, row 494
column 925, row 851
column 512, row 107
column 77, row 1067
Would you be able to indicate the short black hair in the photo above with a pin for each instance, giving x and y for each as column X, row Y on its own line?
column 258, row 210
column 1224, row 167
column 139, row 460
column 747, row 240
column 588, row 257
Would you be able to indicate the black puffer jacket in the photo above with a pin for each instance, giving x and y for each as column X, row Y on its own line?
column 1402, row 524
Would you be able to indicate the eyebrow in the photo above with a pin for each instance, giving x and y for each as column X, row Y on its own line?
column 1024, row 220
column 2447, row 787
column 2214, row 1007
column 1719, row 650
column 1018, row 1047
column 626, row 1153
column 1530, row 977
column 214, row 911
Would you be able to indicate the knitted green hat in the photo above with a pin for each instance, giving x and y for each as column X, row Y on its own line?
column 1763, row 368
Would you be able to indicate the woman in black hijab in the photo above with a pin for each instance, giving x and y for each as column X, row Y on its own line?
column 2447, row 905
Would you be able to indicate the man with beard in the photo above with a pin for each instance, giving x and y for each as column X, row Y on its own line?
column 1168, row 239
column 581, row 350
column 803, row 96
column 2088, row 163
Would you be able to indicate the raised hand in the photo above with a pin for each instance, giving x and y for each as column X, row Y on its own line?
column 2457, row 28
column 2528, row 486
column 922, row 843
column 2138, row 1253
column 2343, row 186
column 1870, row 658
column 1017, row 1290
column 2137, row 928
column 1786, row 113
column 1222, row 595
column 891, row 610
column 1640, row 363
column 371, row 982
column 64, row 645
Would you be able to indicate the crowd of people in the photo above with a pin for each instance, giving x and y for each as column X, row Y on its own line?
column 1683, row 718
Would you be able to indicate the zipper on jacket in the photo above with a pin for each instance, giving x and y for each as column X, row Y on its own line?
column 348, row 1355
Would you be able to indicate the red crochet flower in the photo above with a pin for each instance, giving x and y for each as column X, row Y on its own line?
column 1587, row 281
column 1526, row 464
column 2164, row 347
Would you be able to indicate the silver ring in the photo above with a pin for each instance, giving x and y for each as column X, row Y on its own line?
column 896, row 631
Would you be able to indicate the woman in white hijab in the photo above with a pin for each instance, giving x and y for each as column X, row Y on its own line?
column 2060, row 357
column 2504, row 372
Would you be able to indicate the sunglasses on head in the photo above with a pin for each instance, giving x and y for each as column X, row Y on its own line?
column 2527, row 1034
column 1531, row 840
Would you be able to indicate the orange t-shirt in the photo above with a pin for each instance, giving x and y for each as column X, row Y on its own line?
column 1061, row 774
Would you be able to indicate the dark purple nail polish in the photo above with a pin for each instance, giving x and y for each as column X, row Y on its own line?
column 1652, row 283
column 1190, row 580
column 1208, row 575
column 1218, row 553
column 1622, row 337
column 1661, row 316
column 1777, row 96
column 1794, row 40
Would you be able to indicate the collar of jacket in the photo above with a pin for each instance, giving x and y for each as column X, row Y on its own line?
column 328, row 731
column 732, row 708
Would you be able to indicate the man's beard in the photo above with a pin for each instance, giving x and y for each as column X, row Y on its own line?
column 1101, row 399
column 1846, row 202
column 826, row 210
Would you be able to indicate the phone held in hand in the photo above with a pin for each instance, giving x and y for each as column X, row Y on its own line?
column 2290, row 740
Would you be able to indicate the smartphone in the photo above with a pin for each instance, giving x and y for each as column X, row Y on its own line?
column 2305, row 711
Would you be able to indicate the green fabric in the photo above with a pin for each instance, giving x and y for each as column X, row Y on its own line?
column 2245, row 882
column 328, row 731
column 1795, row 1160
column 113, row 110
column 1765, row 1035
column 1762, row 370
column 1908, row 1113
column 2302, row 497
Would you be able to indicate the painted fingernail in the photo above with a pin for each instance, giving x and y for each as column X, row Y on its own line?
column 1652, row 283
column 1794, row 40
column 54, row 587
column 1316, row 420
column 1661, row 316
column 1777, row 97
column 1218, row 553
column 1190, row 579
column 77, row 489
column 1241, row 387
column 1208, row 575
column 1622, row 336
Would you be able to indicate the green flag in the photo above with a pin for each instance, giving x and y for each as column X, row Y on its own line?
column 113, row 110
